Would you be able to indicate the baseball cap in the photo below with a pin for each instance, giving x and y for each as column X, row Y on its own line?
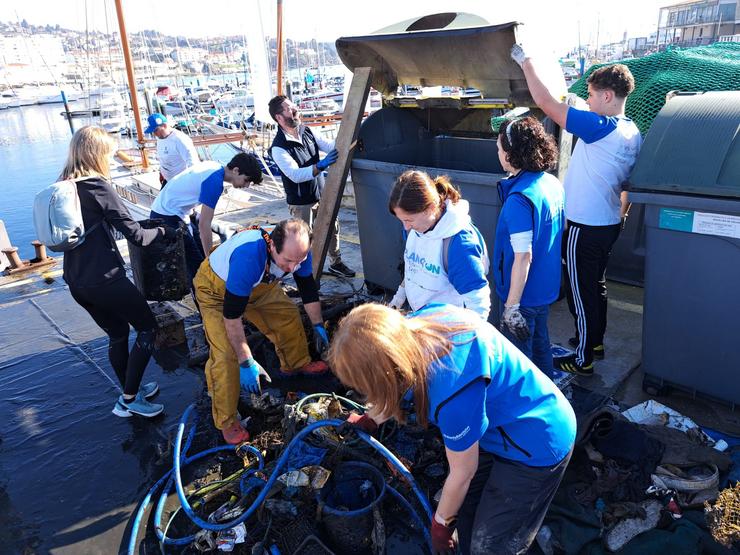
column 155, row 120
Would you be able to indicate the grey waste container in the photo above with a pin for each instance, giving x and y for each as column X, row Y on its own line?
column 440, row 135
column 688, row 179
column 471, row 164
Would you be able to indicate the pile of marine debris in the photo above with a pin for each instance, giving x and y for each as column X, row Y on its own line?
column 336, row 494
column 640, row 481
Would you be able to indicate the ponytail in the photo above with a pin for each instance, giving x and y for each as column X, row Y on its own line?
column 414, row 192
column 446, row 190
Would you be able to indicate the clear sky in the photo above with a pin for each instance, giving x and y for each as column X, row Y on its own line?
column 553, row 23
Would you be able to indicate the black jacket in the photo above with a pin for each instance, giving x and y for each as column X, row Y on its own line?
column 306, row 154
column 97, row 261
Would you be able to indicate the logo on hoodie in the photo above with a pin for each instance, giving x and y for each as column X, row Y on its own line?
column 414, row 258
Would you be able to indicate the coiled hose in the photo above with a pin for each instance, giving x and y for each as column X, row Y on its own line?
column 180, row 459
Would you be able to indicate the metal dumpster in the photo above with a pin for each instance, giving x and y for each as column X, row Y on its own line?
column 688, row 179
column 448, row 135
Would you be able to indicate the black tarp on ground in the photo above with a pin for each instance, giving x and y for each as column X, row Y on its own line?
column 70, row 471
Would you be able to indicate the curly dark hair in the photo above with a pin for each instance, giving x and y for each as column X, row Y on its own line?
column 527, row 145
column 617, row 78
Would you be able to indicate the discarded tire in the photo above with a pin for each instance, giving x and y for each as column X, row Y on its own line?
column 347, row 502
column 160, row 269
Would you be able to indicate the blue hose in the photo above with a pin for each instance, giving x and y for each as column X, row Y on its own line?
column 181, row 460
column 406, row 505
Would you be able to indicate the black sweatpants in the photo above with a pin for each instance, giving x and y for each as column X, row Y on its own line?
column 586, row 251
column 114, row 307
column 505, row 505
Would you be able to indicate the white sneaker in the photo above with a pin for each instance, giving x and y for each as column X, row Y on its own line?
column 138, row 405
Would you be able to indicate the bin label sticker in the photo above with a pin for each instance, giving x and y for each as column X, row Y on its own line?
column 672, row 218
column 722, row 225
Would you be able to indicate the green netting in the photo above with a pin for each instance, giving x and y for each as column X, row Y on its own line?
column 715, row 67
column 496, row 122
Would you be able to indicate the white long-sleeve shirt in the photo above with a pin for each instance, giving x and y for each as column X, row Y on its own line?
column 176, row 153
column 289, row 167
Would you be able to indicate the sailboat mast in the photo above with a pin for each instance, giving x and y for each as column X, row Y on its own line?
column 279, row 47
column 131, row 83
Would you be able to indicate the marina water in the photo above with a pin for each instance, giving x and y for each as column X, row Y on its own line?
column 33, row 147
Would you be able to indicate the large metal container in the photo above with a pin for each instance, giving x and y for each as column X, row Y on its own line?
column 448, row 135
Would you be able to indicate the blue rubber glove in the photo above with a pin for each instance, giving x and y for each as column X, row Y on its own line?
column 327, row 160
column 249, row 376
column 320, row 338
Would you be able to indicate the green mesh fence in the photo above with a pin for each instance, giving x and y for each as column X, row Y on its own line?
column 715, row 67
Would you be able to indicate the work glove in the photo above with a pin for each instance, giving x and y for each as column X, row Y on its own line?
column 518, row 54
column 320, row 338
column 361, row 421
column 327, row 160
column 249, row 376
column 399, row 298
column 442, row 540
column 515, row 322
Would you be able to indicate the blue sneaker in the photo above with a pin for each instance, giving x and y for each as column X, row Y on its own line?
column 149, row 390
column 138, row 405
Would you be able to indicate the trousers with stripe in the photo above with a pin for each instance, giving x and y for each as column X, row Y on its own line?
column 586, row 251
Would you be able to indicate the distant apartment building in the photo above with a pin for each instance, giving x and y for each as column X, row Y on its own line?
column 34, row 50
column 693, row 23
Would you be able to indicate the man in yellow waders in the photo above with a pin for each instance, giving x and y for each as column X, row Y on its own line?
column 241, row 278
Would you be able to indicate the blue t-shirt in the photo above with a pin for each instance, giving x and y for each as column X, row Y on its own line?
column 201, row 183
column 465, row 262
column 463, row 420
column 242, row 259
column 487, row 391
column 601, row 162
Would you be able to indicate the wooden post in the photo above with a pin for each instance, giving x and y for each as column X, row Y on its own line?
column 131, row 83
column 331, row 197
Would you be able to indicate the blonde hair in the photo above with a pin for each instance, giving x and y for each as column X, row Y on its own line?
column 380, row 353
column 415, row 192
column 88, row 154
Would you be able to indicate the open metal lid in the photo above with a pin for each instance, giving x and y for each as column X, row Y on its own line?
column 453, row 49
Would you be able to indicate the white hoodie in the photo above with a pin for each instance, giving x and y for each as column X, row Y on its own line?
column 426, row 279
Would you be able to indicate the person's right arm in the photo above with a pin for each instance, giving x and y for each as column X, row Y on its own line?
column 246, row 266
column 519, row 217
column 556, row 110
column 210, row 191
column 117, row 215
column 237, row 339
column 462, row 421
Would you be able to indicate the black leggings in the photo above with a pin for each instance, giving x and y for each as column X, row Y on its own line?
column 113, row 307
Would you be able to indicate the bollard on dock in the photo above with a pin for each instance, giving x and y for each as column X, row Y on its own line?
column 13, row 258
column 40, row 249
